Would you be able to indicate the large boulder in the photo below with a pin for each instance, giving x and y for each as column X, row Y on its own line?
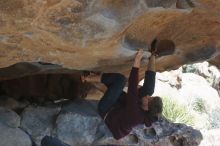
column 78, row 123
column 105, row 34
column 194, row 86
column 9, row 118
column 209, row 72
column 186, row 87
column 13, row 136
column 68, row 36
column 39, row 121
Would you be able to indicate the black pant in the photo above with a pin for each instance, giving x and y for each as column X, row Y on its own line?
column 115, row 83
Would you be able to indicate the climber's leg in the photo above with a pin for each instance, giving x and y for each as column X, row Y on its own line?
column 115, row 83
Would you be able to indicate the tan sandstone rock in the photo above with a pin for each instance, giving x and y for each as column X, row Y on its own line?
column 104, row 34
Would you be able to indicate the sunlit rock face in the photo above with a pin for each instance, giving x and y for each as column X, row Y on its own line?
column 104, row 34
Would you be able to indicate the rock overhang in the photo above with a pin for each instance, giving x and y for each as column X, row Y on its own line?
column 82, row 35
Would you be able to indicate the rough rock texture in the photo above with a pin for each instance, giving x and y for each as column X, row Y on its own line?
column 104, row 34
column 11, row 134
column 39, row 83
column 210, row 73
column 13, row 137
column 66, row 36
column 79, row 124
column 9, row 118
column 39, row 121
column 185, row 87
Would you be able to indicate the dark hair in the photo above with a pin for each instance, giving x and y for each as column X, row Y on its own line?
column 155, row 107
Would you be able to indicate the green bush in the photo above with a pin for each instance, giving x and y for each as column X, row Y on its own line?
column 199, row 105
column 177, row 113
column 188, row 68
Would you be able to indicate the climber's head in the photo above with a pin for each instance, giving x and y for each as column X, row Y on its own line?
column 153, row 105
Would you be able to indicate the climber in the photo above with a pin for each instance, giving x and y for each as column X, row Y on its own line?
column 122, row 111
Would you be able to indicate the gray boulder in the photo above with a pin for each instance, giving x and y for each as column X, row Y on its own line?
column 39, row 121
column 9, row 118
column 78, row 123
column 13, row 137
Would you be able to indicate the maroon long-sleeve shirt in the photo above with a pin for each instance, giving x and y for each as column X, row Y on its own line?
column 121, row 120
